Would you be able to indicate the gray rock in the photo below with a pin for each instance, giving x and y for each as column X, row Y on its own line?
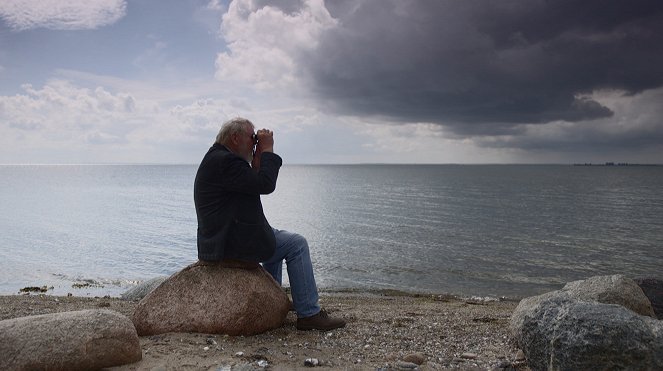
column 406, row 365
column 311, row 362
column 80, row 340
column 615, row 289
column 520, row 356
column 526, row 307
column 653, row 289
column 142, row 289
column 416, row 358
column 214, row 299
column 566, row 334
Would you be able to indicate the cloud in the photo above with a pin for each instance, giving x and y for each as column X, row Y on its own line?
column 635, row 124
column 465, row 63
column 23, row 15
column 499, row 73
column 62, row 113
column 101, row 125
column 265, row 41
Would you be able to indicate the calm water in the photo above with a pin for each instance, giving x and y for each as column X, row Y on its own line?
column 493, row 230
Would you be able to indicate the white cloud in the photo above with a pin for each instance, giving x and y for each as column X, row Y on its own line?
column 99, row 125
column 62, row 112
column 61, row 15
column 265, row 42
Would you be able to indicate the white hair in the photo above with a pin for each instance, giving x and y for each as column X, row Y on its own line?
column 235, row 125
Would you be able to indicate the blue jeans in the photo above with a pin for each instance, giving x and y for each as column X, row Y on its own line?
column 293, row 248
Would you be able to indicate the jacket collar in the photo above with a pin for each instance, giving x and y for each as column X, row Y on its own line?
column 218, row 146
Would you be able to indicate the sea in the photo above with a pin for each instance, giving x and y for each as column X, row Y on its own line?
column 488, row 231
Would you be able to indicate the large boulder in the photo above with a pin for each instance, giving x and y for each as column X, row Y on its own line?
column 232, row 299
column 562, row 333
column 615, row 289
column 143, row 288
column 80, row 340
column 653, row 289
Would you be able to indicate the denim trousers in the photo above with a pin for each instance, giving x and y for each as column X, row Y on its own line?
column 293, row 248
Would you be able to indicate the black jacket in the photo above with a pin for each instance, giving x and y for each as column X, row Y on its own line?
column 231, row 222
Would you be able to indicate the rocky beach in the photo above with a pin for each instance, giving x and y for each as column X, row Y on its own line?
column 385, row 330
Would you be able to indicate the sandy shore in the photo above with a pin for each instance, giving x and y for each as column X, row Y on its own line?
column 383, row 330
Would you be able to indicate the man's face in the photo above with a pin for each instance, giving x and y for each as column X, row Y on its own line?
column 246, row 144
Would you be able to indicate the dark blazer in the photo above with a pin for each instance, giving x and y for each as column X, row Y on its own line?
column 226, row 192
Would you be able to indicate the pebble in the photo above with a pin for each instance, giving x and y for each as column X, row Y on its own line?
column 469, row 355
column 239, row 354
column 311, row 362
column 262, row 363
column 520, row 356
column 417, row 358
column 406, row 365
column 206, row 348
column 211, row 341
column 503, row 366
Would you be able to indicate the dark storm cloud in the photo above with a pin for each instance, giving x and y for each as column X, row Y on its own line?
column 484, row 67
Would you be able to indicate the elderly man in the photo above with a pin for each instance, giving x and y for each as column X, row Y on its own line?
column 231, row 222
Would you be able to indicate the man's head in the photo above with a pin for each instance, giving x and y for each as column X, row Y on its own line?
column 238, row 136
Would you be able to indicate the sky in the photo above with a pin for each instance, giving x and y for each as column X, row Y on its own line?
column 342, row 81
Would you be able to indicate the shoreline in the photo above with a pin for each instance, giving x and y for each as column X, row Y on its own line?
column 384, row 328
column 96, row 290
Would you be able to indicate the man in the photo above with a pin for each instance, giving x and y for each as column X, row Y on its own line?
column 231, row 222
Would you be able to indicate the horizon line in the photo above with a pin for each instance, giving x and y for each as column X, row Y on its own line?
column 608, row 163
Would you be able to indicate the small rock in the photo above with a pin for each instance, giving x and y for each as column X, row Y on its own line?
column 503, row 366
column 392, row 357
column 210, row 341
column 416, row 358
column 311, row 362
column 206, row 348
column 406, row 365
column 468, row 355
column 262, row 363
column 239, row 354
column 520, row 356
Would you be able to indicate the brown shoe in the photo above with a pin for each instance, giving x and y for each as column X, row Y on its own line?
column 320, row 321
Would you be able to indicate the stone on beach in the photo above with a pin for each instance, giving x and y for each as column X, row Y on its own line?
column 603, row 322
column 615, row 289
column 416, row 358
column 143, row 288
column 653, row 289
column 79, row 340
column 213, row 298
column 566, row 334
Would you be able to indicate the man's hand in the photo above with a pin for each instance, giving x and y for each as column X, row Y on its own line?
column 265, row 144
column 265, row 141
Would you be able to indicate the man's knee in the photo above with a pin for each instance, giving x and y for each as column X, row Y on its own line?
column 299, row 241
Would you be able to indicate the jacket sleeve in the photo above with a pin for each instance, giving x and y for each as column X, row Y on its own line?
column 238, row 176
